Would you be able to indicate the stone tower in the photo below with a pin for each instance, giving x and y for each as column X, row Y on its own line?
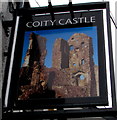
column 60, row 54
column 32, row 78
column 81, row 61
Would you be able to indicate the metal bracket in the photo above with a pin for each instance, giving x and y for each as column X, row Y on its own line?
column 51, row 11
column 113, row 20
column 71, row 10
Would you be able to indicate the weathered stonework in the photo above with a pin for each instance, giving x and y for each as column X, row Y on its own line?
column 32, row 78
column 72, row 74
column 60, row 58
column 97, row 79
column 81, row 57
column 80, row 75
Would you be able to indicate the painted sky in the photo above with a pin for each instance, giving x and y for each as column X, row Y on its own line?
column 66, row 33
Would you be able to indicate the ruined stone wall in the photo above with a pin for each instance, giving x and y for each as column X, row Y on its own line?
column 81, row 59
column 72, row 73
column 65, row 54
column 60, row 57
column 32, row 78
column 39, row 55
column 79, row 76
column 96, row 68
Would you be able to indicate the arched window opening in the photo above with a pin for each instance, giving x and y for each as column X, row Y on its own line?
column 74, row 64
column 82, row 62
column 82, row 44
column 82, row 77
column 71, row 47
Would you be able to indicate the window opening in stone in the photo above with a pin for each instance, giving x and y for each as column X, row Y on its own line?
column 82, row 62
column 74, row 64
column 82, row 44
column 71, row 47
column 77, row 49
column 82, row 77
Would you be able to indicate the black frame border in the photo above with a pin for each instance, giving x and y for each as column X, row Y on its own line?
column 87, row 6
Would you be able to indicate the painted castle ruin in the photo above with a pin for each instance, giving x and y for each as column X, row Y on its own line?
column 73, row 72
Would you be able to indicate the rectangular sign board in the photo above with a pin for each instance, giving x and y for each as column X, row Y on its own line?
column 59, row 62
